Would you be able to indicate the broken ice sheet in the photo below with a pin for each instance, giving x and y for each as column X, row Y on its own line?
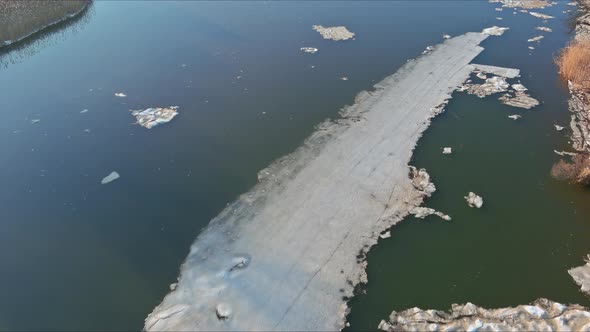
column 152, row 117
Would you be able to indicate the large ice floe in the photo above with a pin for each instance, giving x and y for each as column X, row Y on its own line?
column 288, row 254
column 152, row 117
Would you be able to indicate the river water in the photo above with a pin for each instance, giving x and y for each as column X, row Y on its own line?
column 80, row 255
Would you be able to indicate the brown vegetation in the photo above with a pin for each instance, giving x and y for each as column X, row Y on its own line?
column 20, row 18
column 576, row 171
column 574, row 64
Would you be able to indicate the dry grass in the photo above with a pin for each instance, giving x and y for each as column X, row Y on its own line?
column 19, row 18
column 574, row 63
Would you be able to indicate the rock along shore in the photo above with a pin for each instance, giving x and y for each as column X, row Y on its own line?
column 287, row 254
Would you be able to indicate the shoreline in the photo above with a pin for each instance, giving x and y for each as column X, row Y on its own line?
column 289, row 253
column 84, row 4
column 579, row 101
column 579, row 106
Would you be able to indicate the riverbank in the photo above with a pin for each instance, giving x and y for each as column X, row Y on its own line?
column 579, row 101
column 21, row 19
column 579, row 105
column 289, row 253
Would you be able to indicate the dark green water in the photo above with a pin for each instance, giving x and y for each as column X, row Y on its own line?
column 80, row 255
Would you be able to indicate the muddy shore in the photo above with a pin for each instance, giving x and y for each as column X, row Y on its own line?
column 288, row 254
column 21, row 19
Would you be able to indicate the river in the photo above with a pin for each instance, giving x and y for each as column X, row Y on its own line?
column 80, row 255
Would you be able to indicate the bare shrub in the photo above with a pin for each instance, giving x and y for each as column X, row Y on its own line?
column 576, row 171
column 574, row 63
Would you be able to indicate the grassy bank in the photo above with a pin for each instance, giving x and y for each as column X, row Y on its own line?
column 19, row 18
column 574, row 64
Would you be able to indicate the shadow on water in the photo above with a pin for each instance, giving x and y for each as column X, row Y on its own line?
column 51, row 35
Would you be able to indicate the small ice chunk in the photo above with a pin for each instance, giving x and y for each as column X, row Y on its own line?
column 535, row 39
column 385, row 235
column 120, row 94
column 35, row 120
column 446, row 36
column 519, row 87
column 473, row 200
column 481, row 76
column 514, row 116
column 84, row 110
column 540, row 15
column 344, row 78
column 447, row 150
column 110, row 178
column 223, row 311
column 311, row 50
column 531, row 48
column 545, row 29
column 558, row 127
column 494, row 31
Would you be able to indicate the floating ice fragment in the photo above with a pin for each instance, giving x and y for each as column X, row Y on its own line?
column 344, row 78
column 519, row 87
column 540, row 15
column 445, row 36
column 545, row 29
column 84, row 110
column 535, row 39
column 109, row 178
column 514, row 116
column 152, row 117
column 120, row 94
column 558, row 127
column 494, row 31
column 473, row 200
column 35, row 120
column 447, row 150
column 385, row 235
column 520, row 99
column 334, row 33
column 311, row 50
